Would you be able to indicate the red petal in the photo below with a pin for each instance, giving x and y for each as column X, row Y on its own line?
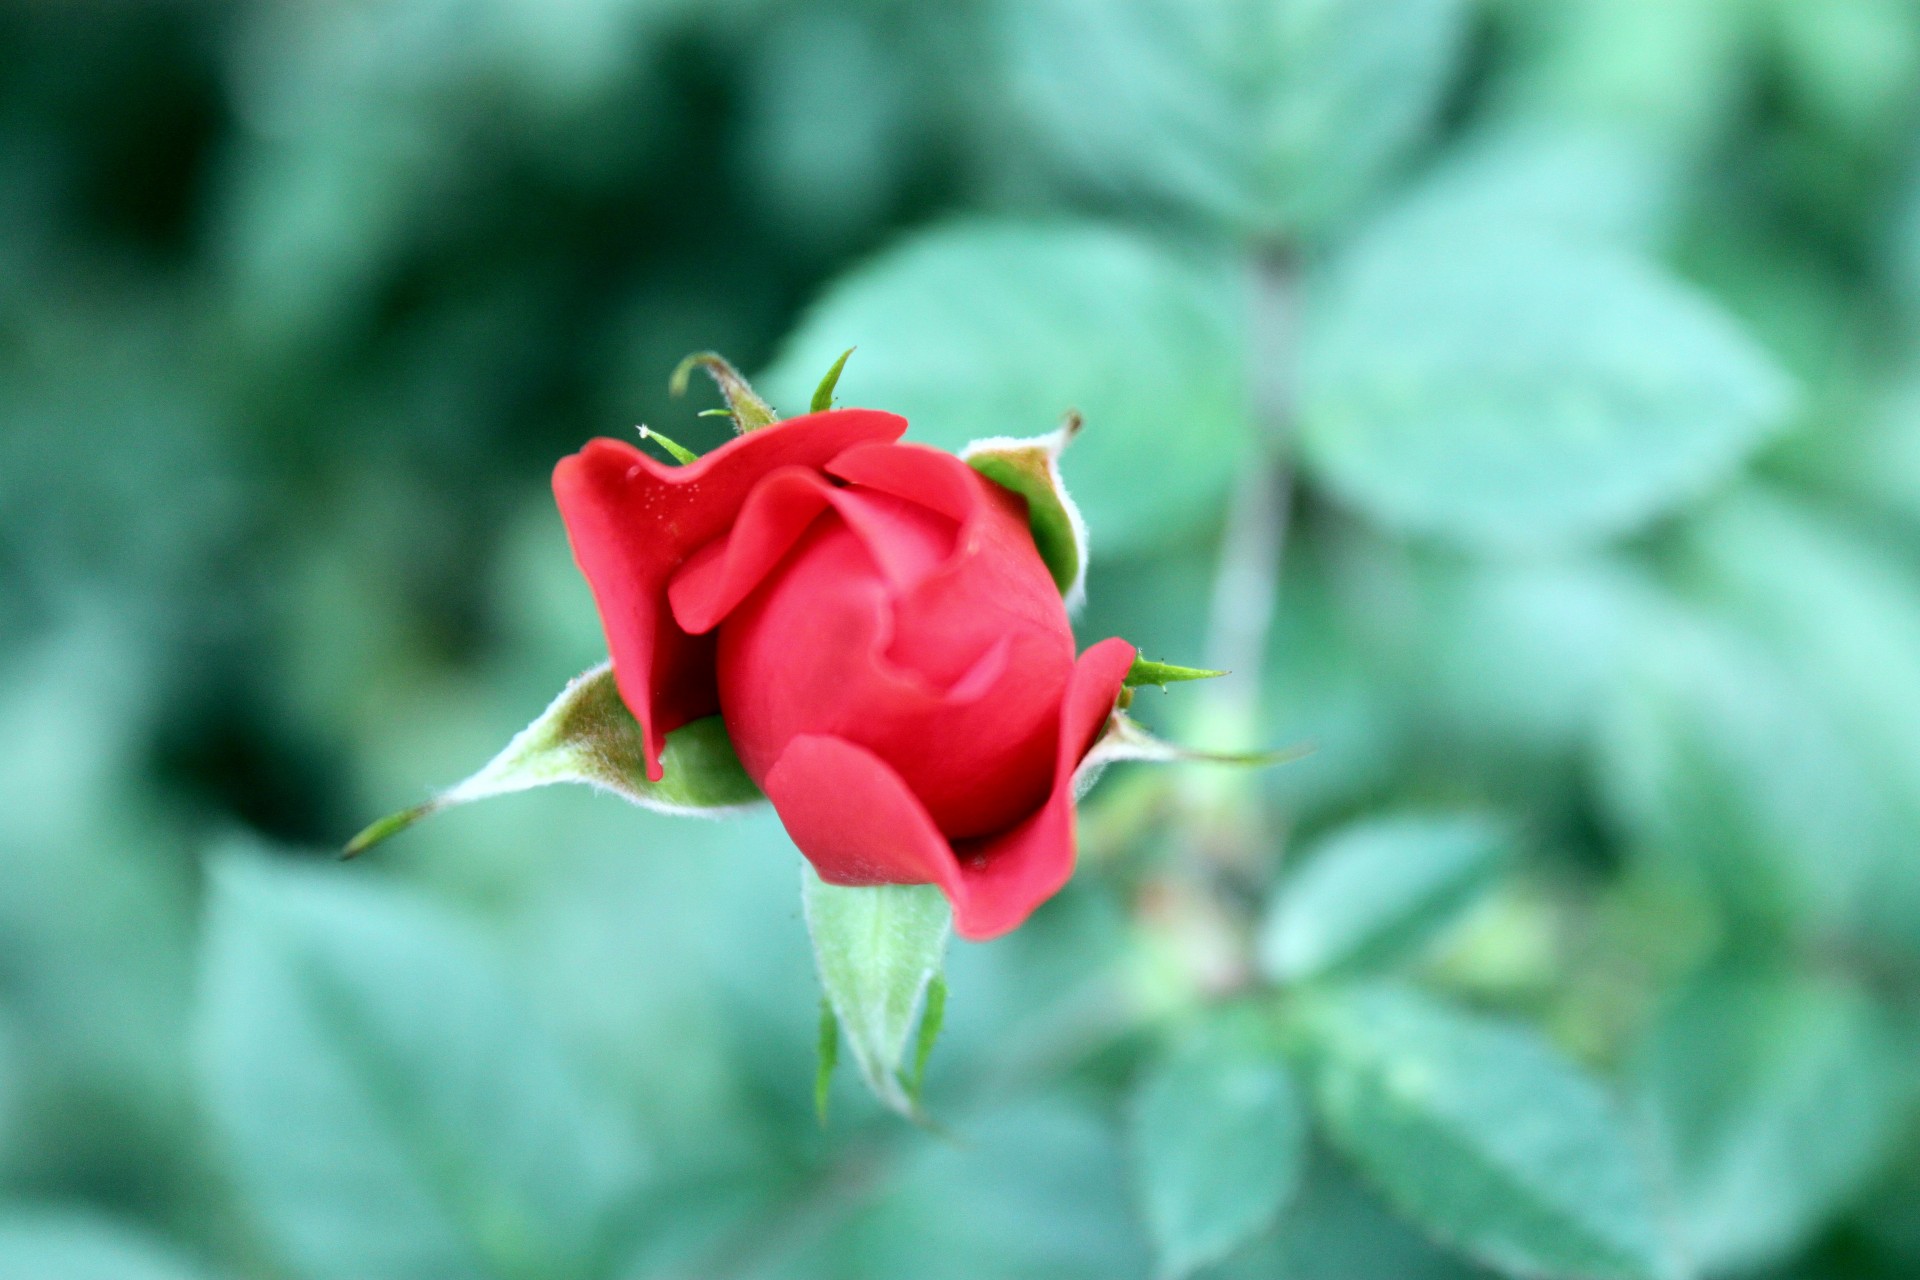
column 971, row 725
column 725, row 571
column 917, row 472
column 1005, row 877
column 854, row 819
column 858, row 823
column 908, row 541
column 633, row 521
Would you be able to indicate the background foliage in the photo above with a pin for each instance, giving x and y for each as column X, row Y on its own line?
column 1574, row 339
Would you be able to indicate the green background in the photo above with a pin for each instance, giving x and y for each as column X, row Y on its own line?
column 1580, row 336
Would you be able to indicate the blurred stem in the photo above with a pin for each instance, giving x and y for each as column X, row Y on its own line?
column 1246, row 583
column 1199, row 916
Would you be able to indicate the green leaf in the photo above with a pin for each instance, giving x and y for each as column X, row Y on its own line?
column 386, row 1107
column 678, row 452
column 749, row 411
column 1031, row 468
column 1219, row 1139
column 1587, row 182
column 1837, row 613
column 8, row 1086
column 1272, row 116
column 1480, row 1133
column 1162, row 674
column 1374, row 894
column 1851, row 63
column 982, row 328
column 828, row 1057
column 1776, row 1098
column 77, row 1244
column 1336, row 1228
column 1031, row 1190
column 1672, row 74
column 588, row 735
column 1764, row 744
column 932, row 1018
column 1719, row 766
column 1507, row 390
column 823, row 394
column 877, row 949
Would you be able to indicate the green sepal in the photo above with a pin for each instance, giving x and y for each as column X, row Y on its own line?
column 932, row 1018
column 1125, row 739
column 829, row 1058
column 823, row 394
column 588, row 735
column 678, row 452
column 1031, row 468
column 879, row 950
column 1163, row 674
column 749, row 411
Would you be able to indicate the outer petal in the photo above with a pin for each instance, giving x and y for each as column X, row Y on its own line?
column 1007, row 876
column 633, row 521
column 854, row 818
column 858, row 823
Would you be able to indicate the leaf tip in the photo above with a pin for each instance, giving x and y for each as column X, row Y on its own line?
column 823, row 394
column 1145, row 671
column 385, row 828
column 677, row 451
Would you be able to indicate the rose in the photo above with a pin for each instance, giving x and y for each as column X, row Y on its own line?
column 874, row 624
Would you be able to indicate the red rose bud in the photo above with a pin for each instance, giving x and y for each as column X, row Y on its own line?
column 874, row 623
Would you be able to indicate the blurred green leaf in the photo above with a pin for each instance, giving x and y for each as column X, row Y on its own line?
column 1765, row 739
column 1483, row 1135
column 1508, row 390
column 80, row 1244
column 1669, row 72
column 1715, row 761
column 9, row 1086
column 1516, row 657
column 96, row 916
column 361, row 139
column 1031, row 1188
column 877, row 948
column 1840, row 612
column 1374, row 894
column 1273, row 116
column 588, row 735
column 996, row 328
column 387, row 1107
column 1219, row 1138
column 1338, row 1229
column 1776, row 1097
column 1851, row 64
column 1581, row 181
